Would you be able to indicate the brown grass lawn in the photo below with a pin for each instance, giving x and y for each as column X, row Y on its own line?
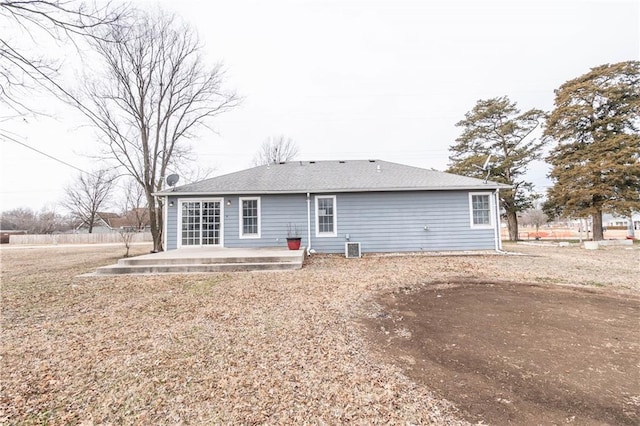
column 235, row 348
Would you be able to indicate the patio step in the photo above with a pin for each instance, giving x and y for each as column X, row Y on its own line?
column 178, row 268
column 204, row 260
column 207, row 260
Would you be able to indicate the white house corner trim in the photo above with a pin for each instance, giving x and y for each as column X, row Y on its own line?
column 497, row 220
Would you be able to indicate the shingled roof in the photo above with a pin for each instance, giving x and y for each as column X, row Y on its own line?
column 331, row 177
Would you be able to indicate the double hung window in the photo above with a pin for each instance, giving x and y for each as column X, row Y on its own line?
column 326, row 219
column 481, row 210
column 249, row 217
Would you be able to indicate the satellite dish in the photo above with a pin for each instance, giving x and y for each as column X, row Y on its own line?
column 486, row 167
column 172, row 180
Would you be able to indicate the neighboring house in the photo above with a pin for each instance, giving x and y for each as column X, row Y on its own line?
column 102, row 224
column 135, row 219
column 386, row 207
column 613, row 220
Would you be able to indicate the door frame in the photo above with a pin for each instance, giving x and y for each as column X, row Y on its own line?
column 200, row 200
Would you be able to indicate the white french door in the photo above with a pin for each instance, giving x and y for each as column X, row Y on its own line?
column 201, row 223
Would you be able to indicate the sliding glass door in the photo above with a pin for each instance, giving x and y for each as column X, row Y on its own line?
column 201, row 223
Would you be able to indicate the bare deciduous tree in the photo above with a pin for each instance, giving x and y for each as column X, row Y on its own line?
column 276, row 149
column 20, row 219
column 47, row 221
column 155, row 92
column 24, row 64
column 134, row 206
column 88, row 195
column 534, row 216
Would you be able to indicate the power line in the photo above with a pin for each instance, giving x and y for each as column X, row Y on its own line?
column 9, row 138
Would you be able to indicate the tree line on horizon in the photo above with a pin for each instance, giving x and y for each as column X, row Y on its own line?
column 151, row 91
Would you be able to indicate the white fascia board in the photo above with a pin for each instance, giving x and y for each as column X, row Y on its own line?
column 329, row 191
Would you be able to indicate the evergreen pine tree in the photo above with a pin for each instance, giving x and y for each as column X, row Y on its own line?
column 496, row 127
column 596, row 162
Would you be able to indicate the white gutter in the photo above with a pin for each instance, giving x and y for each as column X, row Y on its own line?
column 165, row 227
column 308, row 224
column 498, row 238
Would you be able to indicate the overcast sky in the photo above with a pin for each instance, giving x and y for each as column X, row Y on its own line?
column 353, row 79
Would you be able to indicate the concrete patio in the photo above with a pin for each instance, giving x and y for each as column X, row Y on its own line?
column 208, row 259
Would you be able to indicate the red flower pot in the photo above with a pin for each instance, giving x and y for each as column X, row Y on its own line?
column 294, row 243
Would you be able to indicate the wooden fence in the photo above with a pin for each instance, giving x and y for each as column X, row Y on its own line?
column 101, row 238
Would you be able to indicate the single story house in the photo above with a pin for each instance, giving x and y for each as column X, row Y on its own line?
column 383, row 206
column 610, row 220
column 103, row 224
column 136, row 219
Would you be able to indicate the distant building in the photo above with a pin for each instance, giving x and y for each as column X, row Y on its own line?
column 106, row 222
column 610, row 220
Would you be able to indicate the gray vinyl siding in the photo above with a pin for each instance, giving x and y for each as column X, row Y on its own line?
column 171, row 227
column 380, row 221
column 395, row 221
column 276, row 212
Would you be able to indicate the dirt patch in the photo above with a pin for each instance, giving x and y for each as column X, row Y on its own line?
column 508, row 353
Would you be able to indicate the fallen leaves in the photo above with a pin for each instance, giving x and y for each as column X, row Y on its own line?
column 241, row 348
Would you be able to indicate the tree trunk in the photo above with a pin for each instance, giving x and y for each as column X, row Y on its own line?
column 598, row 235
column 155, row 223
column 512, row 224
column 158, row 241
column 92, row 220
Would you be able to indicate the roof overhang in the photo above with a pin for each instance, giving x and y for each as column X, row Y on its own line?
column 332, row 191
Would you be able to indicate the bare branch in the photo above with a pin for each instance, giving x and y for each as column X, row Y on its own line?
column 276, row 149
column 88, row 195
column 21, row 70
column 152, row 96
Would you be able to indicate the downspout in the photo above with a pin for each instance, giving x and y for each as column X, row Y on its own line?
column 498, row 239
column 308, row 224
column 165, row 226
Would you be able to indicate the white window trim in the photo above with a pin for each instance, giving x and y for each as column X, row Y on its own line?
column 179, row 230
column 240, row 221
column 491, row 224
column 335, row 217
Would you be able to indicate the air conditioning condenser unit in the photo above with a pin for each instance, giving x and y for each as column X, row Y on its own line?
column 352, row 250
